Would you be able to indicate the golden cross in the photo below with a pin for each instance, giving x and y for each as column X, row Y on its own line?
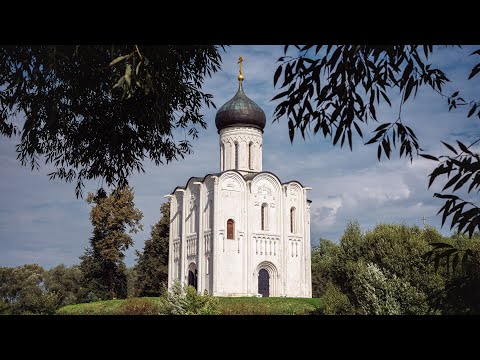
column 240, row 74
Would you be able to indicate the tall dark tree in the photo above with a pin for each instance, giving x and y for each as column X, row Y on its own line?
column 102, row 265
column 99, row 111
column 152, row 266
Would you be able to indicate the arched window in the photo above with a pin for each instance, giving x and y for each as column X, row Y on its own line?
column 250, row 156
column 292, row 220
column 236, row 155
column 230, row 229
column 222, row 157
column 264, row 216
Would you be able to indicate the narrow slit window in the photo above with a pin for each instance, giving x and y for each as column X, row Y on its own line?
column 250, row 156
column 236, row 155
column 230, row 229
column 292, row 220
column 264, row 216
column 222, row 157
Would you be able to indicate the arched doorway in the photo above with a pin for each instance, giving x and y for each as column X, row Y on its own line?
column 267, row 279
column 192, row 276
column 264, row 283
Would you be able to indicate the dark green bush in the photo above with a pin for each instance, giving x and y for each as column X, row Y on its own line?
column 334, row 302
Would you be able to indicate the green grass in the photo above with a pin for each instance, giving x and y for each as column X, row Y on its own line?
column 267, row 306
column 106, row 307
column 227, row 306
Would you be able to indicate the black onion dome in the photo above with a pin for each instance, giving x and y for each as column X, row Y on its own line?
column 240, row 111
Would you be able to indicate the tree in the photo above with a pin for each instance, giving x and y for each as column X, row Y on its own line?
column 333, row 90
column 383, row 271
column 152, row 265
column 132, row 282
column 461, row 270
column 99, row 111
column 65, row 281
column 104, row 272
column 324, row 255
column 22, row 291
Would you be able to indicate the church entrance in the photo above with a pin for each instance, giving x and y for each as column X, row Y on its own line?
column 192, row 278
column 264, row 283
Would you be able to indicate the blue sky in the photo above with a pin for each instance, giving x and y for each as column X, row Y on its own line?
column 41, row 221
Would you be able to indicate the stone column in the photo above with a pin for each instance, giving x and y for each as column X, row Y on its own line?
column 307, row 246
column 283, row 242
column 171, row 259
column 200, row 240
column 216, row 246
column 183, row 243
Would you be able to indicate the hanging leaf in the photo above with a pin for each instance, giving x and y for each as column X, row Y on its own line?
column 277, row 75
column 464, row 148
column 475, row 71
column 119, row 82
column 118, row 59
column 429, row 157
column 128, row 74
column 450, row 147
column 472, row 110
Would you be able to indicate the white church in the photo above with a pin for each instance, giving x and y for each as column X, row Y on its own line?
column 241, row 231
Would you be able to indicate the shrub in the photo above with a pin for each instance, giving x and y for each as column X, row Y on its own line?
column 381, row 293
column 4, row 308
column 334, row 302
column 138, row 306
column 186, row 301
column 383, row 271
column 48, row 303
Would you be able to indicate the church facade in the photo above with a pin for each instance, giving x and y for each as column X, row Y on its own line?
column 241, row 231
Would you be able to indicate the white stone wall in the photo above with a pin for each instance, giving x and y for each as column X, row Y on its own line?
column 249, row 142
column 229, row 267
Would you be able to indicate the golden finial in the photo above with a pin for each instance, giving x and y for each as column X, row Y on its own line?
column 240, row 74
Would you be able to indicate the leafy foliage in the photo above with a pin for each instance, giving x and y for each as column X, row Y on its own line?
column 184, row 300
column 64, row 281
column 132, row 281
column 379, row 292
column 323, row 257
column 104, row 273
column 335, row 302
column 99, row 111
column 381, row 271
column 457, row 259
column 335, row 90
column 464, row 166
column 152, row 264
column 22, row 291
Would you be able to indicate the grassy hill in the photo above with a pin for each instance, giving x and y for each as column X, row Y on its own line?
column 228, row 306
